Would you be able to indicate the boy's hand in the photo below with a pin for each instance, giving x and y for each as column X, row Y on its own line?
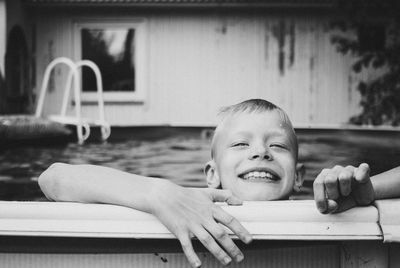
column 189, row 212
column 341, row 188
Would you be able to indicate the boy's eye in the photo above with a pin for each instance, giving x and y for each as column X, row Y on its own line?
column 240, row 144
column 278, row 145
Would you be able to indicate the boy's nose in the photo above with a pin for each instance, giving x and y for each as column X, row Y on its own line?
column 261, row 153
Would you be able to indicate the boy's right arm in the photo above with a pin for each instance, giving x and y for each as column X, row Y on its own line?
column 184, row 211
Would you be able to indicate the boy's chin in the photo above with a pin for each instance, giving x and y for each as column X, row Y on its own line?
column 262, row 198
column 262, row 195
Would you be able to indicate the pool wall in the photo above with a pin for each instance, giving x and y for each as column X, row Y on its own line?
column 286, row 234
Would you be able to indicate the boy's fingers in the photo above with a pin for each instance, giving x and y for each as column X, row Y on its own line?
column 319, row 193
column 209, row 243
column 225, row 241
column 332, row 206
column 331, row 186
column 346, row 203
column 345, row 177
column 362, row 173
column 232, row 223
column 366, row 193
column 187, row 248
column 224, row 196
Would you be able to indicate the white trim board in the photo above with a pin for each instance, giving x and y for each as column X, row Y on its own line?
column 278, row 220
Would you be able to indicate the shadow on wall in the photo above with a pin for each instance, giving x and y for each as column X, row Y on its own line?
column 15, row 91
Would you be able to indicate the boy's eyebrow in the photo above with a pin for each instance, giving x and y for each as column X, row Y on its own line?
column 241, row 133
column 272, row 133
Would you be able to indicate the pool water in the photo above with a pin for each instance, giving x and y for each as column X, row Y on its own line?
column 178, row 154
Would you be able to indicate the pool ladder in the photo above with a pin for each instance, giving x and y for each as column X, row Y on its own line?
column 82, row 124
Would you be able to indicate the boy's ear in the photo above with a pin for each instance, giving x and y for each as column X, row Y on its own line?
column 299, row 179
column 213, row 180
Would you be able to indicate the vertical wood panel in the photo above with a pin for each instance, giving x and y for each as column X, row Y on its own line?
column 366, row 254
column 354, row 254
column 310, row 257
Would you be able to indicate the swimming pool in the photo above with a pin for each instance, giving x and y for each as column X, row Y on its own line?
column 179, row 154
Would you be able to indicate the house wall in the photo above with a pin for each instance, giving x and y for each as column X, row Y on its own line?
column 3, row 34
column 197, row 62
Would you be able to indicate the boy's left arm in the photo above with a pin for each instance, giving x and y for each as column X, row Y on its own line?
column 341, row 188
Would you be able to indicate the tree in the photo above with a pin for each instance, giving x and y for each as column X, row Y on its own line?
column 376, row 25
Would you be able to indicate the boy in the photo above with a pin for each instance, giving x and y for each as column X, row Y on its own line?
column 254, row 154
column 254, row 157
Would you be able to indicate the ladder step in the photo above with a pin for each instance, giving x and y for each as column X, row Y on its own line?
column 71, row 120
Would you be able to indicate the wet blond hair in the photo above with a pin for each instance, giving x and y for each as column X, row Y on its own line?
column 252, row 106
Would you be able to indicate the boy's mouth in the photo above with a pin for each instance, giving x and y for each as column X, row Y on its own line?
column 260, row 175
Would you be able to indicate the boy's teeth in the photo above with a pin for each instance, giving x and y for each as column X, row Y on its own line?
column 257, row 174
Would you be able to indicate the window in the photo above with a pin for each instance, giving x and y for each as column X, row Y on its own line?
column 112, row 51
column 118, row 51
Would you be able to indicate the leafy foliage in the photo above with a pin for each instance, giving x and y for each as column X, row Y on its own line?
column 376, row 25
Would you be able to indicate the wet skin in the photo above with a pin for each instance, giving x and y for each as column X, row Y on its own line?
column 255, row 156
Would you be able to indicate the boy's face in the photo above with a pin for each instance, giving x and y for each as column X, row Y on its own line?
column 254, row 156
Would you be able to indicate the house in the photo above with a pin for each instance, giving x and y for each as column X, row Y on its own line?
column 176, row 62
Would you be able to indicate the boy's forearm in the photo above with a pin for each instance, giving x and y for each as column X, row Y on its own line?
column 387, row 184
column 194, row 208
column 96, row 184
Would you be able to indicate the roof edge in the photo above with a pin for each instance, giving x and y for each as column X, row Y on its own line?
column 186, row 3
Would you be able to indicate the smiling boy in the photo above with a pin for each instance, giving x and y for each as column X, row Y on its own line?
column 253, row 157
column 254, row 152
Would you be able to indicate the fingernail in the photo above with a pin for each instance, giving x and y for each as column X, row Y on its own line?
column 248, row 239
column 239, row 257
column 197, row 264
column 227, row 260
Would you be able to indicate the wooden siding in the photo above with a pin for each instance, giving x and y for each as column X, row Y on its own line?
column 198, row 62
column 365, row 254
column 310, row 257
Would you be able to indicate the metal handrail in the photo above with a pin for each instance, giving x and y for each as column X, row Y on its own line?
column 73, row 75
column 46, row 78
column 105, row 127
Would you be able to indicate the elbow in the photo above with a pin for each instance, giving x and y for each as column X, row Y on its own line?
column 51, row 181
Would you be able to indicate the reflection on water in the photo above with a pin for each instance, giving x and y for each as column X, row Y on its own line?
column 181, row 157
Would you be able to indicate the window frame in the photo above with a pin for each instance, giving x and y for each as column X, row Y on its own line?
column 139, row 26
